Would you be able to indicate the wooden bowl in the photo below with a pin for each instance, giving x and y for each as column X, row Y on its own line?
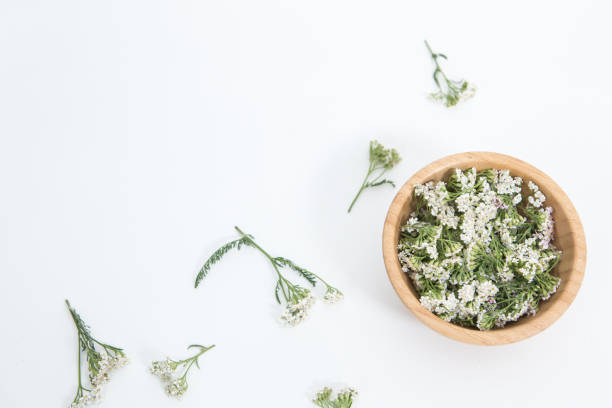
column 569, row 237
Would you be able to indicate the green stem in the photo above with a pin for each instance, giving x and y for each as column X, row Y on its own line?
column 80, row 389
column 255, row 244
column 363, row 187
column 79, row 360
column 355, row 199
column 193, row 359
column 435, row 57
column 187, row 370
column 430, row 50
column 202, row 351
column 287, row 294
column 262, row 251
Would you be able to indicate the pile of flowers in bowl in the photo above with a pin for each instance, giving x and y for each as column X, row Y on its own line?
column 478, row 250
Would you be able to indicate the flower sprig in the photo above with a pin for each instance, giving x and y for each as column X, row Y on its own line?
column 344, row 399
column 101, row 360
column 381, row 161
column 450, row 92
column 298, row 300
column 174, row 373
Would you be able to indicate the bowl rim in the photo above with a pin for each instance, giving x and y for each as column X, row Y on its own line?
column 509, row 334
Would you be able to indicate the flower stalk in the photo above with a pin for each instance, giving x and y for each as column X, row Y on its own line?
column 174, row 373
column 101, row 359
column 381, row 161
column 450, row 92
column 298, row 300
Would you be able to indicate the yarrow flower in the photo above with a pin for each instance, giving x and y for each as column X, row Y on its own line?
column 298, row 300
column 537, row 198
column 381, row 161
column 102, row 359
column 478, row 254
column 450, row 92
column 298, row 308
column 332, row 295
column 174, row 373
column 344, row 399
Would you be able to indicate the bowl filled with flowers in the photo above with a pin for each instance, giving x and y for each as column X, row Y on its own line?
column 484, row 248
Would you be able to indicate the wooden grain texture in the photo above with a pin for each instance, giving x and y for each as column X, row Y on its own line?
column 569, row 237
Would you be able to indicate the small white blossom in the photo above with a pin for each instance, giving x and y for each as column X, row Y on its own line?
column 435, row 272
column 332, row 295
column 429, row 302
column 177, row 388
column 435, row 195
column 546, row 230
column 466, row 293
column 507, row 184
column 486, row 289
column 296, row 311
column 537, row 198
column 163, row 369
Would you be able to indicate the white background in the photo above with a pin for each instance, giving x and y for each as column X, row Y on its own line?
column 135, row 134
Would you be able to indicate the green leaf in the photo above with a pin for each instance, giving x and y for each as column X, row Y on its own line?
column 218, row 254
column 306, row 274
column 378, row 183
column 277, row 291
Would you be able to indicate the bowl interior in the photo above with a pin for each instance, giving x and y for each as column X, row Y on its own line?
column 569, row 238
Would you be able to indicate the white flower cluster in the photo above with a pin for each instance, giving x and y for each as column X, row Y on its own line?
column 538, row 198
column 436, row 197
column 475, row 254
column 506, row 184
column 297, row 310
column 98, row 378
column 332, row 295
column 545, row 233
column 458, row 93
column 165, row 370
column 177, row 388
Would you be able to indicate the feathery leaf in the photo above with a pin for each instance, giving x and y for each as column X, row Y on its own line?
column 218, row 254
column 276, row 292
column 306, row 274
column 378, row 183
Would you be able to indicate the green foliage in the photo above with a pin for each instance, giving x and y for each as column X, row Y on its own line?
column 422, row 233
column 536, row 216
column 487, row 320
column 344, row 399
column 219, row 253
column 306, row 274
column 460, row 273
